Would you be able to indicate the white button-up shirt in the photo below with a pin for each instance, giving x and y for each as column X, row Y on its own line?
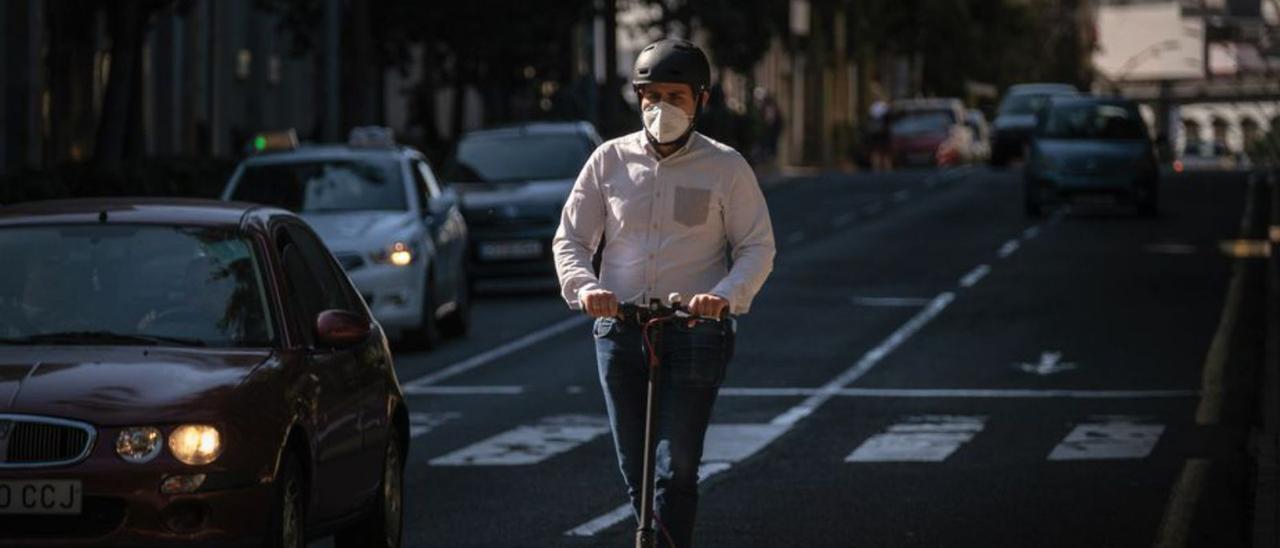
column 671, row 224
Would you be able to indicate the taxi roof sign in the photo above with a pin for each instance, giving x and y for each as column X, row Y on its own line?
column 270, row 141
column 371, row 136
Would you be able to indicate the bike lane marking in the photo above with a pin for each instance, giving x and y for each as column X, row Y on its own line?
column 529, row 444
column 1109, row 438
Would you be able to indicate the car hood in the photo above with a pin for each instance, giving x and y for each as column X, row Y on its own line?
column 117, row 386
column 1014, row 122
column 527, row 199
column 357, row 229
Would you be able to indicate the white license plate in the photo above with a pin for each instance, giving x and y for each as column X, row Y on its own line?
column 502, row 251
column 40, row 497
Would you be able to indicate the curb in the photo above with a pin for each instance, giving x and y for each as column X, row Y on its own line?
column 1266, row 503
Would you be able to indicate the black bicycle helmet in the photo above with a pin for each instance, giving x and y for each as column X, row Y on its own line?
column 672, row 60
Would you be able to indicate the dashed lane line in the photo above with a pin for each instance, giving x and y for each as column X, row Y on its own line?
column 975, row 275
column 1008, row 248
column 499, row 352
column 867, row 362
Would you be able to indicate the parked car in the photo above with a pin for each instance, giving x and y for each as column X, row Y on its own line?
column 514, row 182
column 397, row 231
column 929, row 132
column 186, row 372
column 980, row 149
column 1092, row 146
column 1016, row 118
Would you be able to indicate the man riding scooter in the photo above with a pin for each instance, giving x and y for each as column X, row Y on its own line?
column 668, row 201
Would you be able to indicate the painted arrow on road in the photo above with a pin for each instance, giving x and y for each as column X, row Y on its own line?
column 1050, row 363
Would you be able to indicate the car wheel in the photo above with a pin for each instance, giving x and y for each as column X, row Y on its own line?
column 383, row 525
column 288, row 519
column 427, row 334
column 458, row 322
column 998, row 160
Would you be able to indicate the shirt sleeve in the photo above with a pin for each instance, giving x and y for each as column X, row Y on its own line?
column 581, row 228
column 750, row 235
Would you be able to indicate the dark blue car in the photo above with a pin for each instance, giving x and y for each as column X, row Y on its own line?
column 1091, row 146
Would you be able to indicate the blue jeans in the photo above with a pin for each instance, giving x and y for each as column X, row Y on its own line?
column 693, row 365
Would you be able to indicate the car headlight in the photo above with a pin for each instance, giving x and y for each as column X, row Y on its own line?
column 195, row 443
column 398, row 254
column 139, row 444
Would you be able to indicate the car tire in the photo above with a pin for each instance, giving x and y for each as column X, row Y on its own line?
column 287, row 526
column 427, row 335
column 998, row 160
column 383, row 523
column 458, row 322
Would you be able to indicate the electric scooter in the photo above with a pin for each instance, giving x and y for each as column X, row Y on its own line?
column 654, row 315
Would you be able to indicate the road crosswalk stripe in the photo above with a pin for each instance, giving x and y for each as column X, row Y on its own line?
column 529, row 444
column 422, row 423
column 1109, row 438
column 929, row 438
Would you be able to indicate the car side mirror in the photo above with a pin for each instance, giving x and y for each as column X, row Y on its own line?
column 340, row 328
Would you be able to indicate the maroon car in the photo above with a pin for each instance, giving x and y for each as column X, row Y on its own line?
column 189, row 372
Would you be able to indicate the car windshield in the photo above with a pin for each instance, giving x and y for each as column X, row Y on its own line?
column 131, row 284
column 914, row 123
column 320, row 186
column 1023, row 103
column 518, row 158
column 1093, row 121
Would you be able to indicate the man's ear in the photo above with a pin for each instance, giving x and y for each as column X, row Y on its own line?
column 704, row 97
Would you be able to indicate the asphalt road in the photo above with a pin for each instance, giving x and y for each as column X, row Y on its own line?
column 925, row 367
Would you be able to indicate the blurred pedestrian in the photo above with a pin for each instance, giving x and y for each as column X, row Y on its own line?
column 668, row 201
column 878, row 120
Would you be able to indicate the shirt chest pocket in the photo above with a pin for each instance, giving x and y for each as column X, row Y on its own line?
column 691, row 206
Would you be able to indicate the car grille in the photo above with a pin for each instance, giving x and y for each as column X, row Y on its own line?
column 35, row 441
column 350, row 261
column 98, row 517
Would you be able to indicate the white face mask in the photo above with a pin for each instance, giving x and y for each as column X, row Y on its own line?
column 666, row 122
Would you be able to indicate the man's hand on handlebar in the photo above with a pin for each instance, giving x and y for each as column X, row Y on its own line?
column 600, row 303
column 707, row 305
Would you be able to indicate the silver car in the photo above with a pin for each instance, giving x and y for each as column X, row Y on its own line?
column 379, row 208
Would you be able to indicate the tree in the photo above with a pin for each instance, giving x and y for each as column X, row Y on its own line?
column 120, row 126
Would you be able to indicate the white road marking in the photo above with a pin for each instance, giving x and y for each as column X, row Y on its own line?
column 499, row 390
column 725, row 445
column 603, row 522
column 890, row 301
column 961, row 393
column 1111, row 438
column 573, row 389
column 529, row 444
column 501, row 351
column 734, row 442
column 422, row 423
column 919, row 439
column 901, row 196
column 1031, row 232
column 1008, row 248
column 975, row 275
column 843, row 219
column 868, row 361
column 796, row 237
column 1050, row 363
